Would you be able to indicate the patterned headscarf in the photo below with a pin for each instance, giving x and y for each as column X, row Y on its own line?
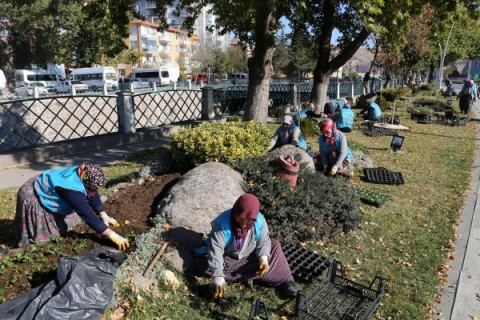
column 94, row 177
column 247, row 206
column 329, row 125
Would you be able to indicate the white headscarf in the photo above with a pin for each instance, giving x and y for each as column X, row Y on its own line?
column 288, row 120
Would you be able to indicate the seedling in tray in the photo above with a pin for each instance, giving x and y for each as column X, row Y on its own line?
column 337, row 297
column 371, row 197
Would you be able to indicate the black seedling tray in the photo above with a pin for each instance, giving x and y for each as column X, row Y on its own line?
column 381, row 133
column 382, row 175
column 306, row 265
column 258, row 306
column 337, row 297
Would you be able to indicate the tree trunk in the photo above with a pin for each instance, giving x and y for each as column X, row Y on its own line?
column 260, row 65
column 325, row 65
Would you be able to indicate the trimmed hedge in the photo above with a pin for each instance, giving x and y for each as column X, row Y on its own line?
column 220, row 141
column 318, row 207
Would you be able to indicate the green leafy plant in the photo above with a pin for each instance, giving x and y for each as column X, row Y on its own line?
column 371, row 197
column 391, row 94
column 234, row 118
column 279, row 113
column 221, row 141
column 318, row 207
column 309, row 128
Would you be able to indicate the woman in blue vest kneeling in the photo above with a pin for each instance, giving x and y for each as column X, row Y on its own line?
column 345, row 117
column 335, row 155
column 288, row 133
column 55, row 201
column 239, row 249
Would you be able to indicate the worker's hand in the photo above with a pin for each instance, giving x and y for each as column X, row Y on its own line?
column 109, row 220
column 333, row 171
column 262, row 266
column 220, row 287
column 120, row 241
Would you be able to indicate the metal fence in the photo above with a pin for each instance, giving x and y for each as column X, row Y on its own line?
column 32, row 122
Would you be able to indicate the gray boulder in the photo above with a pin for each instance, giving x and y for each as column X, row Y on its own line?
column 360, row 161
column 200, row 196
column 290, row 149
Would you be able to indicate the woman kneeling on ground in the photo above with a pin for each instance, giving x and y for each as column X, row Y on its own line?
column 239, row 249
column 55, row 201
column 335, row 155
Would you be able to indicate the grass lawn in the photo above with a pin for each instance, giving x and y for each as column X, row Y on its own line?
column 406, row 240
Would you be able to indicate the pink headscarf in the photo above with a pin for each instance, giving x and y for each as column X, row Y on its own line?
column 329, row 125
column 246, row 206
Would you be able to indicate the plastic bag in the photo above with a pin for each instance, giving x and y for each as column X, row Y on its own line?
column 82, row 289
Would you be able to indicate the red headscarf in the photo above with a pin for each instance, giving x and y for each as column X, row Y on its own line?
column 329, row 125
column 247, row 206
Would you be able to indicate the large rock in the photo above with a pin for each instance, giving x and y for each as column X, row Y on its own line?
column 360, row 161
column 290, row 149
column 200, row 196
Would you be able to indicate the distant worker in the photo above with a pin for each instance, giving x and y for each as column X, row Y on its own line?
column 288, row 133
column 372, row 111
column 56, row 200
column 345, row 117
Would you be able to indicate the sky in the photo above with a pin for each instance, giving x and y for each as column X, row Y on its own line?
column 287, row 29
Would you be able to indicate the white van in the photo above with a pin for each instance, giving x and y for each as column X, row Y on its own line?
column 96, row 77
column 161, row 75
column 239, row 78
column 48, row 79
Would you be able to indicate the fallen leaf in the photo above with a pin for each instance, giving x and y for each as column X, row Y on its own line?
column 117, row 314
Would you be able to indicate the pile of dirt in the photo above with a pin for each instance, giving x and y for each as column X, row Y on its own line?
column 28, row 267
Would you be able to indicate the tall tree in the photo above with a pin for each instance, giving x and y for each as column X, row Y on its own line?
column 254, row 23
column 74, row 32
column 355, row 20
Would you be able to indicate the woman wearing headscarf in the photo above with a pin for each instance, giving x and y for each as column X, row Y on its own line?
column 288, row 133
column 335, row 155
column 467, row 95
column 345, row 117
column 55, row 201
column 239, row 249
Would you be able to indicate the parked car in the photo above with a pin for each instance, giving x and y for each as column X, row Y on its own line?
column 238, row 77
column 66, row 86
column 25, row 90
column 203, row 77
column 138, row 83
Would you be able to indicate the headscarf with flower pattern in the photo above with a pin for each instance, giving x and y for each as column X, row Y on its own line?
column 92, row 176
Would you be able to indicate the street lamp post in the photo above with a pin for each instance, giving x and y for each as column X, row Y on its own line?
column 209, row 66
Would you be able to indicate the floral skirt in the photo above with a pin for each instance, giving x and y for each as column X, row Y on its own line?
column 35, row 224
column 245, row 269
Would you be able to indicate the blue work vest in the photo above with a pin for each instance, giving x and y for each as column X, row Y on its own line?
column 345, row 119
column 376, row 111
column 46, row 183
column 224, row 220
column 301, row 140
column 336, row 146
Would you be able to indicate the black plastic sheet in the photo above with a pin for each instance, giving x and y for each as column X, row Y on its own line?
column 83, row 289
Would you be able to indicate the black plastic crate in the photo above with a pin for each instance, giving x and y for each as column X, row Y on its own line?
column 306, row 265
column 382, row 175
column 258, row 311
column 337, row 297
column 380, row 132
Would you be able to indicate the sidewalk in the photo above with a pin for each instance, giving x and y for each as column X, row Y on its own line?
column 16, row 175
column 461, row 297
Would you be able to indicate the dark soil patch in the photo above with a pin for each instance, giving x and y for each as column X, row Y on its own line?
column 28, row 267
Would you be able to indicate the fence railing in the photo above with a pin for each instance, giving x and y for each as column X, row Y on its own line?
column 33, row 122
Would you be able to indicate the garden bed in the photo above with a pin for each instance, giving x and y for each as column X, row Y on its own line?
column 28, row 267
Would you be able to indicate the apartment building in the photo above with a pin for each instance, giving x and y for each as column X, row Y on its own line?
column 204, row 21
column 160, row 48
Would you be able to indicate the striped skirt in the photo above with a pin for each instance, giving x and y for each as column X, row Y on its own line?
column 33, row 223
column 245, row 269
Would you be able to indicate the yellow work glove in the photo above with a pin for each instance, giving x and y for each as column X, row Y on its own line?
column 262, row 266
column 333, row 171
column 120, row 241
column 109, row 220
column 220, row 287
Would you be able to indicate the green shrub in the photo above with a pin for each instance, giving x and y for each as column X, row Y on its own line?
column 309, row 128
column 318, row 207
column 391, row 94
column 279, row 113
column 428, row 87
column 220, row 141
column 234, row 118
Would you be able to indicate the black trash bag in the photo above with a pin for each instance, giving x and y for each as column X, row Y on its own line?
column 82, row 289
